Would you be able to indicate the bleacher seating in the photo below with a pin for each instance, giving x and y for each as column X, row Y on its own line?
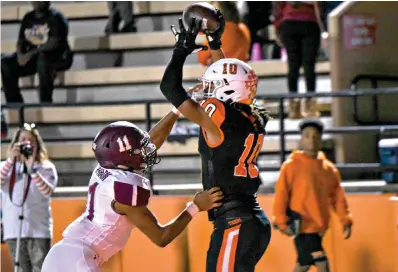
column 59, row 115
column 124, row 42
column 92, row 84
column 83, row 149
column 134, row 75
column 98, row 9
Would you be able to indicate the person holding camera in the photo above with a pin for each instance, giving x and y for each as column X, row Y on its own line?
column 28, row 179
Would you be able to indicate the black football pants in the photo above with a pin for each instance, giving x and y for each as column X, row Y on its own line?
column 237, row 247
column 302, row 41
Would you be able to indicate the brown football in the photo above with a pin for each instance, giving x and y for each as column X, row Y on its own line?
column 201, row 10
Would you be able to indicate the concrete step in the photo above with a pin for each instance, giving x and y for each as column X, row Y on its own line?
column 137, row 58
column 69, row 131
column 152, row 91
column 90, row 130
column 83, row 10
column 95, row 27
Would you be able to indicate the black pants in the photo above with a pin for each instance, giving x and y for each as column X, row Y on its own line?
column 257, row 19
column 238, row 246
column 44, row 66
column 120, row 11
column 307, row 244
column 301, row 40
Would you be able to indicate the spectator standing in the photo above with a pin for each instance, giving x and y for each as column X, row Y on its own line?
column 27, row 154
column 257, row 17
column 42, row 48
column 308, row 184
column 236, row 37
column 120, row 12
column 298, row 28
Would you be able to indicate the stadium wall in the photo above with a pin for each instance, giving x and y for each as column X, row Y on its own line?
column 373, row 246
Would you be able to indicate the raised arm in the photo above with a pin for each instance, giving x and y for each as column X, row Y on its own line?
column 5, row 169
column 171, row 85
column 162, row 129
column 45, row 179
column 6, row 166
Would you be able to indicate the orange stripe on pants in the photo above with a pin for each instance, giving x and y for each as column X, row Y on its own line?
column 226, row 256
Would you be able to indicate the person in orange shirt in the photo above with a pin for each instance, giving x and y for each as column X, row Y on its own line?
column 308, row 185
column 236, row 37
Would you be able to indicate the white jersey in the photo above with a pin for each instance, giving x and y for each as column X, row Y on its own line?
column 100, row 227
column 38, row 222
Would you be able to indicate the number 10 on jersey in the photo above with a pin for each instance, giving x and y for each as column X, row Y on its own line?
column 247, row 159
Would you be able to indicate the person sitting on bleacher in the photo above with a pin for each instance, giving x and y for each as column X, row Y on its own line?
column 42, row 48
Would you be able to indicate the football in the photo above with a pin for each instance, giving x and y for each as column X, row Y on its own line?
column 204, row 11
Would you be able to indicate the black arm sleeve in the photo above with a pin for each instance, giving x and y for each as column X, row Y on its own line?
column 171, row 85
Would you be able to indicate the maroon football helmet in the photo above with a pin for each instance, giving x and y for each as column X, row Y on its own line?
column 123, row 143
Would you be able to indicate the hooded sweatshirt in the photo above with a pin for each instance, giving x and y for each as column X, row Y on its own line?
column 309, row 187
column 235, row 44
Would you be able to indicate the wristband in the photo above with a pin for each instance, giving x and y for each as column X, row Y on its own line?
column 176, row 111
column 215, row 45
column 192, row 209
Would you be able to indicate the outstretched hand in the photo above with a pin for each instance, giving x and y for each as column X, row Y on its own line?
column 185, row 39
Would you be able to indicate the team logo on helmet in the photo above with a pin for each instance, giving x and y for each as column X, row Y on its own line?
column 229, row 80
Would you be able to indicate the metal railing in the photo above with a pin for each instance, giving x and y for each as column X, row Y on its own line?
column 281, row 116
column 374, row 81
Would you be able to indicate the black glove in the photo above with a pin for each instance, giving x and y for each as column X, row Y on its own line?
column 185, row 40
column 214, row 38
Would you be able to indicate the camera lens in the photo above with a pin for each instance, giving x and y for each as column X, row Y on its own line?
column 27, row 150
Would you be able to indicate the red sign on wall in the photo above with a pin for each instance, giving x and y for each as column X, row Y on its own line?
column 359, row 31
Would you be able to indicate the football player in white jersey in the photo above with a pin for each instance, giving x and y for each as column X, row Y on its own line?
column 117, row 200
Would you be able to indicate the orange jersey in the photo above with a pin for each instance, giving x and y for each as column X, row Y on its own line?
column 235, row 44
column 309, row 187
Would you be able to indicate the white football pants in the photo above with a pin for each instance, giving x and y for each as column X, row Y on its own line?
column 71, row 256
